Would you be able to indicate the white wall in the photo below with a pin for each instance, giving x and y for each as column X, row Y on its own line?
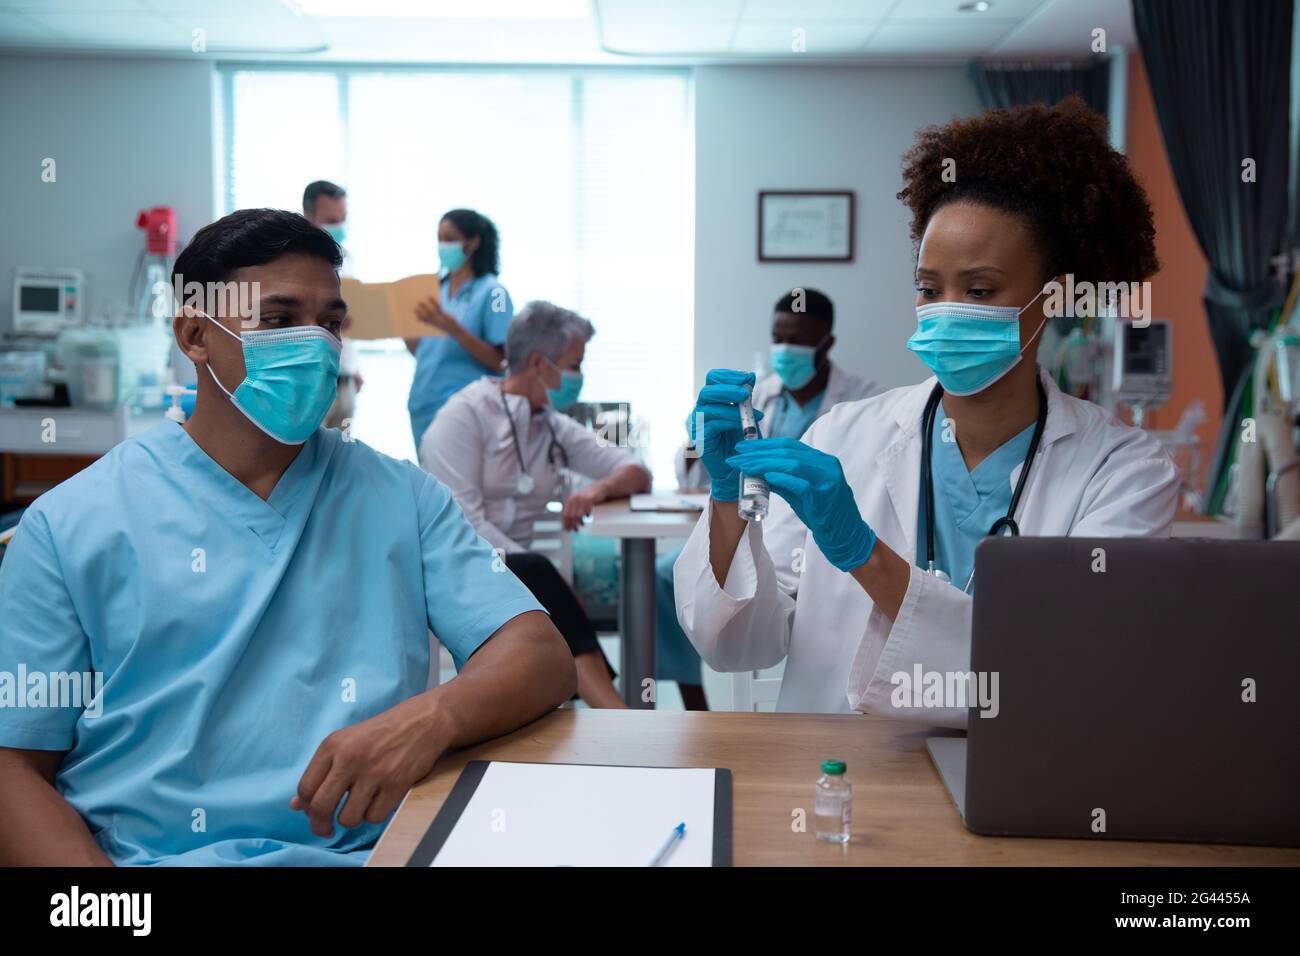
column 811, row 128
column 125, row 134
column 131, row 133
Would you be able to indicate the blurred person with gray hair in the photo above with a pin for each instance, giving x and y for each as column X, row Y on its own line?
column 505, row 450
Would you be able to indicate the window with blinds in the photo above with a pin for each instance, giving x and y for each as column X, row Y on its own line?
column 587, row 174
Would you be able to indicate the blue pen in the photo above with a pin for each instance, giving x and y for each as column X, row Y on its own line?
column 678, row 833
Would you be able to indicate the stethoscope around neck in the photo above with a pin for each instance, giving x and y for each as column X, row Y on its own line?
column 1007, row 523
column 555, row 453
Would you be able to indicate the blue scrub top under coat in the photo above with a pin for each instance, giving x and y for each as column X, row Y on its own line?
column 233, row 635
column 442, row 368
column 789, row 419
column 966, row 503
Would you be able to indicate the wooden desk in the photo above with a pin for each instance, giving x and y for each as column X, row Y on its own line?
column 636, row 532
column 902, row 815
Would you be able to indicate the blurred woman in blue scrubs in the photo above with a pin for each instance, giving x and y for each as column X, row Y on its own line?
column 473, row 315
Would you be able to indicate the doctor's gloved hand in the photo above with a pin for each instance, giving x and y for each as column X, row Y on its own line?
column 714, row 427
column 813, row 483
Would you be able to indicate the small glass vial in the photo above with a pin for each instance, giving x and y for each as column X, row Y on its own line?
column 834, row 804
column 753, row 490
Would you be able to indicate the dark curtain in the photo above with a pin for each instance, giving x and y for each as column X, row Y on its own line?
column 1220, row 77
column 1019, row 84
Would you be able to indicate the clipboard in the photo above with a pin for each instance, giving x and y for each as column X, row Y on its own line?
column 444, row 832
column 386, row 310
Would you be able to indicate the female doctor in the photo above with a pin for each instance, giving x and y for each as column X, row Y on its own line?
column 848, row 580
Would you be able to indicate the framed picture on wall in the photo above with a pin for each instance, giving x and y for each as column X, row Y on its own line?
column 805, row 225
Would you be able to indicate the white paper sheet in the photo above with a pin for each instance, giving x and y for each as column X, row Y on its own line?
column 527, row 814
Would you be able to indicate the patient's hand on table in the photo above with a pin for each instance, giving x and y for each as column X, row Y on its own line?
column 374, row 762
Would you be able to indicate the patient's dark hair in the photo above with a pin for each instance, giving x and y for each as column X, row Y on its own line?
column 251, row 237
column 1053, row 166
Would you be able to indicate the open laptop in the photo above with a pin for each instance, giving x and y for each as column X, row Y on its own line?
column 1147, row 690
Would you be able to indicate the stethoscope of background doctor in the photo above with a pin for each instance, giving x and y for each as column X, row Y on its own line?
column 525, row 484
column 1008, row 521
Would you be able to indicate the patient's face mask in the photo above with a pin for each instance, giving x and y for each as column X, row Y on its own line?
column 969, row 346
column 290, row 377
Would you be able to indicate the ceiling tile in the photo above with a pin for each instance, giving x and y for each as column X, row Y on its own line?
column 286, row 34
column 921, row 38
column 18, row 28
column 700, row 36
column 1065, row 29
column 680, row 11
column 804, row 10
column 474, row 41
column 76, row 6
column 125, row 30
column 820, row 37
column 948, row 10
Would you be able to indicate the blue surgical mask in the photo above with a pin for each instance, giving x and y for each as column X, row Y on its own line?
column 290, row 377
column 451, row 256
column 566, row 395
column 969, row 346
column 795, row 365
column 338, row 232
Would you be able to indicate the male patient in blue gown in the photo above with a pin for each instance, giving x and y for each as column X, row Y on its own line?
column 248, row 597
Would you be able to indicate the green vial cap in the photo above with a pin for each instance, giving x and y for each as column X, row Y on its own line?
column 833, row 767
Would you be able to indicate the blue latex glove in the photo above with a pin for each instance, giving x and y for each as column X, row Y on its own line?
column 814, row 484
column 716, row 418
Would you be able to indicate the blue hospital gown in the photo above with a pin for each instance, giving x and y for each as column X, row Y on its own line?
column 233, row 635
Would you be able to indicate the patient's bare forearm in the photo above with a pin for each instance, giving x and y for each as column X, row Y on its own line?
column 523, row 672
column 726, row 527
column 37, row 826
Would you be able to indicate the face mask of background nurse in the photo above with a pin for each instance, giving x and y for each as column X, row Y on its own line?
column 454, row 250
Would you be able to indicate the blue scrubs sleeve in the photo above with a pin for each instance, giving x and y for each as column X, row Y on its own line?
column 468, row 591
column 43, row 648
column 498, row 310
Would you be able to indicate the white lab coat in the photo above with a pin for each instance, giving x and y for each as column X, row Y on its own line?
column 841, row 386
column 470, row 449
column 1093, row 476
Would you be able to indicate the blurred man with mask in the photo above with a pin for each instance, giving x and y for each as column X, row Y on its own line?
column 804, row 384
column 325, row 204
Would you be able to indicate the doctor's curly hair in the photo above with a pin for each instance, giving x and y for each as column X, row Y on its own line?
column 1051, row 165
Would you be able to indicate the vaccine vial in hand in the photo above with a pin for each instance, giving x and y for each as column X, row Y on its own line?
column 753, row 490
